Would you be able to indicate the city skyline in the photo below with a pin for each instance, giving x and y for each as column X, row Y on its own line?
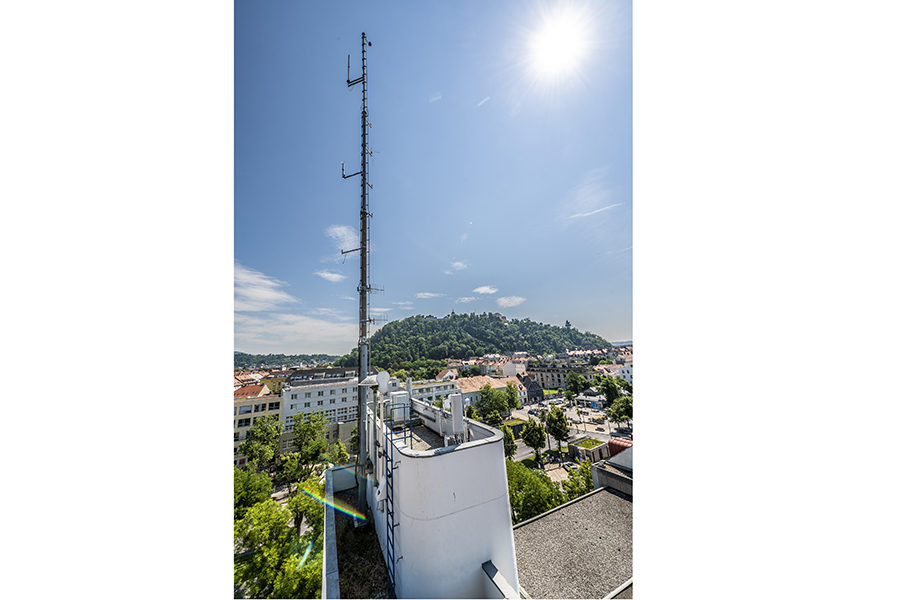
column 501, row 168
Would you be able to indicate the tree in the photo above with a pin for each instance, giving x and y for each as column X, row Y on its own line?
column 557, row 426
column 439, row 403
column 595, row 360
column 512, row 397
column 470, row 412
column 490, row 401
column 575, row 382
column 609, row 389
column 271, row 567
column 623, row 383
column 579, row 481
column 570, row 397
column 307, row 506
column 337, row 453
column 261, row 444
column 509, row 442
column 621, row 410
column 533, row 436
column 250, row 488
column 309, row 437
column 493, row 419
column 530, row 492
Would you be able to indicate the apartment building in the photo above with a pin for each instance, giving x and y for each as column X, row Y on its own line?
column 249, row 406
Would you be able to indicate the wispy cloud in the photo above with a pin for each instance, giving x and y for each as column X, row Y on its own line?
column 465, row 299
column 348, row 298
column 332, row 277
column 292, row 334
column 428, row 295
column 483, row 101
column 404, row 304
column 379, row 311
column 332, row 313
column 463, row 237
column 617, row 251
column 593, row 212
column 457, row 266
column 485, row 289
column 344, row 238
column 254, row 291
column 508, row 301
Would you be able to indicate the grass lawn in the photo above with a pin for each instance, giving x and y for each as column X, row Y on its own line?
column 588, row 443
column 565, row 451
column 512, row 422
column 528, row 462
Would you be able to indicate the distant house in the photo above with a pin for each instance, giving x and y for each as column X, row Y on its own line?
column 448, row 374
column 533, row 391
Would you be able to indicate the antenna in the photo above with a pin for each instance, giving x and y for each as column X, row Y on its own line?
column 364, row 288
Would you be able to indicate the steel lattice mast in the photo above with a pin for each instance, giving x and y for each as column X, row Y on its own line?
column 364, row 287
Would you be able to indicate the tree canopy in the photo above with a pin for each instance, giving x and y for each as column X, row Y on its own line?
column 269, row 556
column 530, row 492
column 557, row 426
column 533, row 436
column 242, row 360
column 261, row 444
column 509, row 442
column 250, row 488
column 399, row 344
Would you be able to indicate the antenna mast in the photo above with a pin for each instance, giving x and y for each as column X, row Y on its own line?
column 364, row 287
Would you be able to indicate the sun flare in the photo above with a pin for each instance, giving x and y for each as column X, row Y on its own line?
column 559, row 46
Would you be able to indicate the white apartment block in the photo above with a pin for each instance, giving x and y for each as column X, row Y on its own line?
column 626, row 372
column 335, row 398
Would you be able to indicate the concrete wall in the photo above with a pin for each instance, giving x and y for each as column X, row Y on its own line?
column 601, row 477
column 452, row 510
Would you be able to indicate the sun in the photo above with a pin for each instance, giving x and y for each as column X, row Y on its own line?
column 559, row 46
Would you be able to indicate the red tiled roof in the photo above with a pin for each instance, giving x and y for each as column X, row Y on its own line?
column 249, row 391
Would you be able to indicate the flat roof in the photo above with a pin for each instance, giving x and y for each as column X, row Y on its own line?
column 582, row 549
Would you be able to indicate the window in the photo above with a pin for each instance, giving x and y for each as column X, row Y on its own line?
column 331, row 401
column 320, row 402
column 242, row 462
column 237, row 436
column 235, row 452
column 259, row 407
column 293, row 396
column 344, row 390
column 344, row 399
column 321, row 393
column 307, row 394
column 293, row 407
column 306, row 405
column 332, row 392
column 245, row 409
column 274, row 405
column 235, row 410
column 243, row 423
column 354, row 397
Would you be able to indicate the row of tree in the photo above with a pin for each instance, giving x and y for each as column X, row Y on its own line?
column 278, row 549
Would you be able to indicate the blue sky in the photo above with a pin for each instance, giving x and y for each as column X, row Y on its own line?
column 502, row 170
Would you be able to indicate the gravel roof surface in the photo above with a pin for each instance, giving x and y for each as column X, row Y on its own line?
column 581, row 551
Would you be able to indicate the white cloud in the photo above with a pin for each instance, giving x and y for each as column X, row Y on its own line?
column 344, row 238
column 379, row 311
column 292, row 334
column 617, row 251
column 589, row 196
column 465, row 299
column 405, row 303
column 254, row 291
column 332, row 277
column 485, row 289
column 463, row 237
column 428, row 295
column 348, row 298
column 509, row 301
column 457, row 266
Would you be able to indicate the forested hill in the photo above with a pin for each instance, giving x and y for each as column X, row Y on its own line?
column 243, row 360
column 465, row 335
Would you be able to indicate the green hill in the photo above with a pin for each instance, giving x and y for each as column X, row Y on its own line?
column 400, row 343
column 242, row 360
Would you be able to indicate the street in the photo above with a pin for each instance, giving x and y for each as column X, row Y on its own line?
column 576, row 430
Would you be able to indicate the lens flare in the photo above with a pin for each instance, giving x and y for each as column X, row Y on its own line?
column 337, row 505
